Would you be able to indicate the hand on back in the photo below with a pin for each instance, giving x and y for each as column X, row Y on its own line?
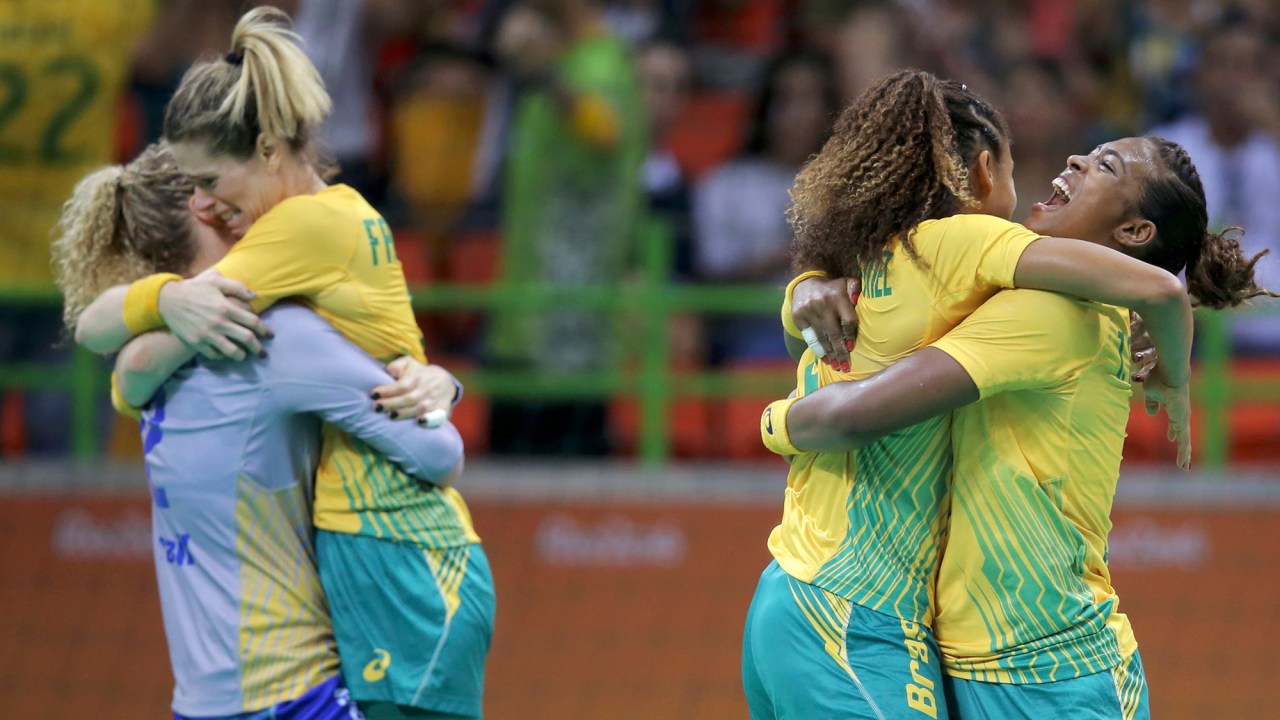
column 211, row 313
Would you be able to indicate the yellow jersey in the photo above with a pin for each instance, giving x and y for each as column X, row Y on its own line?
column 63, row 66
column 335, row 253
column 868, row 525
column 1024, row 594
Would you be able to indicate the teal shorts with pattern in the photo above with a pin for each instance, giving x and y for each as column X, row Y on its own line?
column 808, row 654
column 1116, row 694
column 413, row 626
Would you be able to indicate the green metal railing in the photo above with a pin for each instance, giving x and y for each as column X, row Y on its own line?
column 1215, row 389
column 649, row 301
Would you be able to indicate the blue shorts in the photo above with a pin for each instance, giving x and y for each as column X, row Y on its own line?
column 330, row 700
column 413, row 626
column 1116, row 694
column 809, row 654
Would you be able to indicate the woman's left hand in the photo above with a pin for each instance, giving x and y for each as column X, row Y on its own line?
column 1176, row 401
column 418, row 390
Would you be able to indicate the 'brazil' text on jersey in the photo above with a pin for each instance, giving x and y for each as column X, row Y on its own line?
column 867, row 525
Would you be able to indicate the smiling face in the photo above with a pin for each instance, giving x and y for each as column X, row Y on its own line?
column 1096, row 195
column 237, row 192
column 797, row 116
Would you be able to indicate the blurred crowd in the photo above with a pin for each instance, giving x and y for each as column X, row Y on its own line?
column 539, row 139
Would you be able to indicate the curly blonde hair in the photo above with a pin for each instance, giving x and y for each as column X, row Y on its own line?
column 122, row 223
column 899, row 155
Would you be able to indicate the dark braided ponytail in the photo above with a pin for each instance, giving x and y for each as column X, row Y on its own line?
column 1218, row 273
column 899, row 155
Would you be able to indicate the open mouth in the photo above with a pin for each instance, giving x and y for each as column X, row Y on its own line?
column 1061, row 194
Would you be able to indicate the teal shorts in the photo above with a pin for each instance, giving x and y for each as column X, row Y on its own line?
column 808, row 654
column 1116, row 694
column 413, row 626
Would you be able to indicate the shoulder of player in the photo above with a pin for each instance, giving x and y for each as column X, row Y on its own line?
column 320, row 212
column 1068, row 318
column 961, row 232
column 295, row 328
column 1027, row 301
column 970, row 223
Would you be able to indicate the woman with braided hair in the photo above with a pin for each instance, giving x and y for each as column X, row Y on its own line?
column 912, row 194
column 1022, row 481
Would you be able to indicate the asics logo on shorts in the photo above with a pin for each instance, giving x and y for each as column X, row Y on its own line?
column 377, row 667
column 768, row 420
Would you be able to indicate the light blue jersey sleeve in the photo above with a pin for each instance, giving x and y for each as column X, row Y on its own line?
column 314, row 369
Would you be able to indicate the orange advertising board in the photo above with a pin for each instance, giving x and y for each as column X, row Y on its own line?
column 613, row 609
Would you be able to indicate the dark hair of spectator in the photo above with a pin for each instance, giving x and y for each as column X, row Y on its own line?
column 1218, row 273
column 758, row 132
column 899, row 155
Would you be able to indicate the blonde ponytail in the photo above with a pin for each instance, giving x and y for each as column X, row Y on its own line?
column 266, row 84
column 283, row 84
column 121, row 224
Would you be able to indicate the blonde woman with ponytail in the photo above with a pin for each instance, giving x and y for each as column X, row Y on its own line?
column 242, row 128
column 247, row 622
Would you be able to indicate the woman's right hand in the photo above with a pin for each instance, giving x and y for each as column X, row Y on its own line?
column 211, row 314
column 827, row 307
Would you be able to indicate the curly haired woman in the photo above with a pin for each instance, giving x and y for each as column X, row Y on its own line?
column 858, row 551
column 910, row 193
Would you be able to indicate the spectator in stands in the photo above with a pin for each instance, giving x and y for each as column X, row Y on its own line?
column 733, row 40
column 866, row 41
column 1236, row 143
column 666, row 74
column 183, row 31
column 1162, row 58
column 739, row 211
column 572, row 205
column 342, row 38
column 643, row 21
column 1043, row 122
column 65, row 66
column 438, row 115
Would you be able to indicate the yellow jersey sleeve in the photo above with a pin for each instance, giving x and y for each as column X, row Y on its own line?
column 120, row 404
column 978, row 249
column 1019, row 340
column 292, row 251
